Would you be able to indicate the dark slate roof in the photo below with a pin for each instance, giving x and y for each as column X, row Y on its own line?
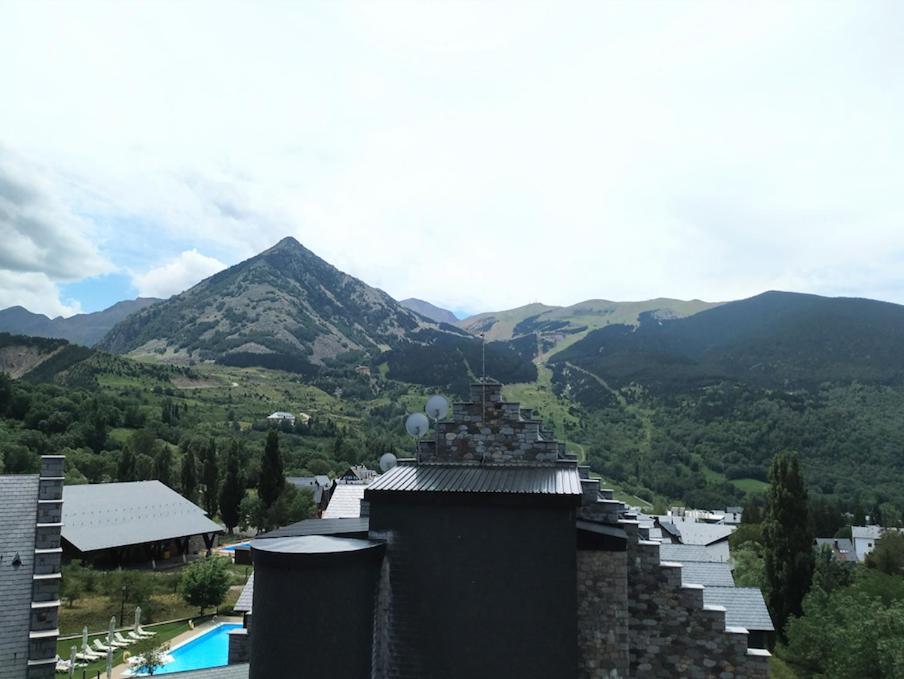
column 744, row 606
column 348, row 527
column 682, row 553
column 18, row 513
column 243, row 605
column 698, row 533
column 561, row 480
column 222, row 672
column 708, row 574
column 104, row 515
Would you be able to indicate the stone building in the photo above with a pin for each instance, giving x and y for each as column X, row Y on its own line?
column 491, row 554
column 30, row 520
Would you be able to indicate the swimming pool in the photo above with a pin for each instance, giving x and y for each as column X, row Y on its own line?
column 232, row 548
column 211, row 649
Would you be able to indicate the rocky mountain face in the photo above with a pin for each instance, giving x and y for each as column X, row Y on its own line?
column 287, row 308
column 284, row 300
column 428, row 310
column 85, row 329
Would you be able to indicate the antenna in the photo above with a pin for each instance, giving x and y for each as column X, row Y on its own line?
column 387, row 461
column 437, row 408
column 483, row 375
column 417, row 425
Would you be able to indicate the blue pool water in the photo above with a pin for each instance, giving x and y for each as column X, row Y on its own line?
column 211, row 649
column 231, row 548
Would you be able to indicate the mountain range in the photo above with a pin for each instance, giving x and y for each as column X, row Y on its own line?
column 86, row 329
column 287, row 308
column 431, row 311
column 776, row 340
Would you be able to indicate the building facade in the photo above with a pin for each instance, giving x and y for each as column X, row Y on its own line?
column 491, row 554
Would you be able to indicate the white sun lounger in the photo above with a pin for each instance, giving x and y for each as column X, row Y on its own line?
column 122, row 640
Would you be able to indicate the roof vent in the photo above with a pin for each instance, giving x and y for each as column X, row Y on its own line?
column 17, row 561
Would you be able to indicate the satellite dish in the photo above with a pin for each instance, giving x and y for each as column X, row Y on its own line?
column 437, row 407
column 387, row 461
column 417, row 425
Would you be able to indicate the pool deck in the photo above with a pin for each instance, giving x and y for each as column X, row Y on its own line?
column 119, row 670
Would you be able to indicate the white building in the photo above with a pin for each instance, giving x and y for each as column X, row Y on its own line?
column 864, row 538
column 281, row 416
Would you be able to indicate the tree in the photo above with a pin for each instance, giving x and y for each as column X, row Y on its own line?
column 204, row 583
column 125, row 469
column 151, row 657
column 232, row 491
column 888, row 554
column 252, row 513
column 211, row 477
column 272, row 479
column 291, row 506
column 747, row 565
column 6, row 392
column 788, row 543
column 163, row 466
column 189, row 475
column 829, row 573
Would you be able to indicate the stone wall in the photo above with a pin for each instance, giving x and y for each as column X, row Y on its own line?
column 602, row 614
column 672, row 633
column 486, row 429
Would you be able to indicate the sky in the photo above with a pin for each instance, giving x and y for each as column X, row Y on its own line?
column 479, row 155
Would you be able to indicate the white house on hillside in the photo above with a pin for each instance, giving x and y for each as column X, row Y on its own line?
column 281, row 416
column 865, row 538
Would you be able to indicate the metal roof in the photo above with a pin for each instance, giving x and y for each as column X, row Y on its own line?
column 744, row 606
column 698, row 533
column 345, row 502
column 866, row 532
column 221, row 672
column 18, row 513
column 683, row 553
column 105, row 515
column 243, row 605
column 561, row 480
column 344, row 526
column 708, row 574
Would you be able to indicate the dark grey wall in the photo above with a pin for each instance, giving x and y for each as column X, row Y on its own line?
column 313, row 619
column 476, row 591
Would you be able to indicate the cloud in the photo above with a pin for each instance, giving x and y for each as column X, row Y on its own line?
column 476, row 155
column 176, row 275
column 37, row 232
column 35, row 292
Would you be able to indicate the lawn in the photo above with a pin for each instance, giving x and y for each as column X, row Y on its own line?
column 164, row 632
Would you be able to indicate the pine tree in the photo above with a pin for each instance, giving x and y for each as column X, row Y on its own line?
column 788, row 541
column 211, row 476
column 232, row 492
column 272, row 477
column 189, row 474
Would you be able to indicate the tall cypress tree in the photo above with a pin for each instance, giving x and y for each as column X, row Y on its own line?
column 125, row 469
column 272, row 478
column 189, row 475
column 163, row 466
column 232, row 492
column 211, row 477
column 788, row 541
